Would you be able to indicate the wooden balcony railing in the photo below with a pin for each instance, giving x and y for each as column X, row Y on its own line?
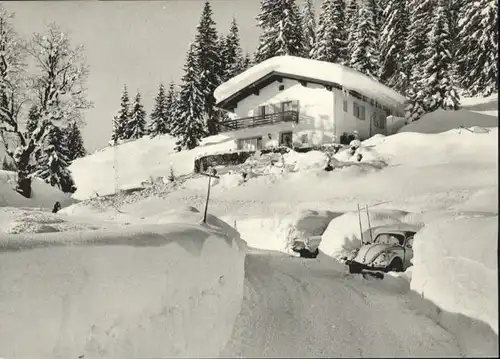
column 261, row 120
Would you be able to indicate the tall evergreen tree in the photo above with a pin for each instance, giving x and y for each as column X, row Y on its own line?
column 392, row 45
column 189, row 126
column 308, row 21
column 420, row 11
column 351, row 16
column 437, row 83
column 478, row 51
column 120, row 121
column 281, row 30
column 206, row 43
column 365, row 55
column 158, row 124
column 232, row 54
column 54, row 162
column 331, row 36
column 33, row 118
column 171, row 108
column 136, row 127
column 74, row 141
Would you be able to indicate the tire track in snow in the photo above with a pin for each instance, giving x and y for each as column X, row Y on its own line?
column 304, row 308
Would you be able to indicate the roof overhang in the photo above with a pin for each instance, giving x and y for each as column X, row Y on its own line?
column 231, row 102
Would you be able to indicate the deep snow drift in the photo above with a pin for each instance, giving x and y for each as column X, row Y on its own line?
column 139, row 291
column 43, row 194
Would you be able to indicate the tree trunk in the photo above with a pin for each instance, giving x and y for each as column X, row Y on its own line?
column 23, row 173
column 23, row 185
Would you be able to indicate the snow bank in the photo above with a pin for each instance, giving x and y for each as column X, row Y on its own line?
column 131, row 163
column 278, row 232
column 155, row 291
column 455, row 266
column 43, row 195
column 343, row 234
column 419, row 149
column 477, row 111
column 321, row 70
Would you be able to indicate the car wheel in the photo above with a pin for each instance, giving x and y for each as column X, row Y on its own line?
column 354, row 269
column 396, row 265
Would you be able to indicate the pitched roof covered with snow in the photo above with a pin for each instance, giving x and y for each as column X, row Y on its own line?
column 306, row 69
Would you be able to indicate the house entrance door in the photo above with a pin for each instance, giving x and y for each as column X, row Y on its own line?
column 286, row 139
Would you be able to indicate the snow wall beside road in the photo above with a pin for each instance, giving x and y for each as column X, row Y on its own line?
column 161, row 291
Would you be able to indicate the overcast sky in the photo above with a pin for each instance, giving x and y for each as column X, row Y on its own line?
column 138, row 43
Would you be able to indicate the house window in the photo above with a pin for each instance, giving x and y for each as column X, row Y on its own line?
column 362, row 113
column 303, row 138
column 382, row 121
column 345, row 105
column 262, row 110
column 379, row 120
column 281, row 87
column 359, row 111
column 250, row 144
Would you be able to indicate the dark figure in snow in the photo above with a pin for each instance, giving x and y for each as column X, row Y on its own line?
column 359, row 157
column 57, row 207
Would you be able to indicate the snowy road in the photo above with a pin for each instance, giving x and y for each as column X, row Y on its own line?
column 311, row 308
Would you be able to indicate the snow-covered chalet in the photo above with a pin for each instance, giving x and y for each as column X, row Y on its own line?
column 299, row 102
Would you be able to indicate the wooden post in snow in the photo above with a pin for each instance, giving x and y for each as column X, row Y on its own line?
column 360, row 226
column 369, row 225
column 211, row 173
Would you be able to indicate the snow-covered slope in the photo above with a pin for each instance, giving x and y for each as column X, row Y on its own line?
column 138, row 291
column 475, row 111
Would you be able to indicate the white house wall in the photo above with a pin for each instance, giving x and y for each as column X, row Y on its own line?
column 315, row 110
column 347, row 122
column 322, row 118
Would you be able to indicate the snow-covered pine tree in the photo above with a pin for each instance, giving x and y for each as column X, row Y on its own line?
column 189, row 125
column 33, row 118
column 54, row 162
column 477, row 55
column 392, row 45
column 351, row 22
column 74, row 141
column 437, row 82
column 121, row 119
column 308, row 21
column 331, row 36
column 365, row 56
column 247, row 61
column 420, row 13
column 171, row 107
column 281, row 30
column 158, row 124
column 209, row 62
column 234, row 61
column 136, row 127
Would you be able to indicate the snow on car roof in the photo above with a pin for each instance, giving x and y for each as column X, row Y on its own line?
column 313, row 69
column 393, row 228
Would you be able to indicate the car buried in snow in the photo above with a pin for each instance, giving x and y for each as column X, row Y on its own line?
column 391, row 250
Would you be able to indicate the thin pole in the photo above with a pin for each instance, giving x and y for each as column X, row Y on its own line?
column 369, row 225
column 208, row 196
column 360, row 226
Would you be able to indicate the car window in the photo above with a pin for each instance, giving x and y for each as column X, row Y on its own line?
column 386, row 238
column 409, row 242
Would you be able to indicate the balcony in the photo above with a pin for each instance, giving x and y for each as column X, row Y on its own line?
column 260, row 120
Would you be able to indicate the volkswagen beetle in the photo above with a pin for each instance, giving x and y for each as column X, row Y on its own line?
column 390, row 251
